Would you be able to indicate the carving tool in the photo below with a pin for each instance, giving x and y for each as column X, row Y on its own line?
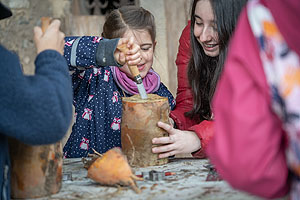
column 136, row 74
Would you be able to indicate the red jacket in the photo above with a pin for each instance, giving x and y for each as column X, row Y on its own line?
column 184, row 98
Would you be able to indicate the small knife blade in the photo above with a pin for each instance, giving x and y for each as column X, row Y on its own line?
column 136, row 74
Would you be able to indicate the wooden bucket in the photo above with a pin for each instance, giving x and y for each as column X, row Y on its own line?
column 36, row 171
column 139, row 127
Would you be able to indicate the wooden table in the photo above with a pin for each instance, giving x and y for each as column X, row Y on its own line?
column 188, row 183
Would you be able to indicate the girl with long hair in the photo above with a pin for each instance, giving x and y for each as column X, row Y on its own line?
column 211, row 27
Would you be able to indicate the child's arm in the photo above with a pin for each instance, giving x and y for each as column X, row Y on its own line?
column 93, row 51
column 89, row 51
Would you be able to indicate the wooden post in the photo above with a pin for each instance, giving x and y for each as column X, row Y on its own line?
column 139, row 126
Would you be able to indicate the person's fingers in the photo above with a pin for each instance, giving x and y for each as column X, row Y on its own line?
column 62, row 35
column 132, row 46
column 171, row 121
column 130, row 42
column 131, row 63
column 166, row 127
column 168, row 154
column 163, row 148
column 55, row 24
column 37, row 32
column 122, row 41
column 134, row 49
column 60, row 41
column 122, row 58
column 62, row 38
column 134, row 58
column 162, row 140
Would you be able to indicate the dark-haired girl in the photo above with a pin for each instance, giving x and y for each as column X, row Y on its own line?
column 203, row 49
column 100, row 81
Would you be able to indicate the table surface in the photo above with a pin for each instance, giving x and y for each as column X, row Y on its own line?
column 189, row 182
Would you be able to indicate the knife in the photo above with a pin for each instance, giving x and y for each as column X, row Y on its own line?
column 135, row 73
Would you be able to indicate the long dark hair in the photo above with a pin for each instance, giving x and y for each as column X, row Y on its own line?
column 204, row 71
column 128, row 17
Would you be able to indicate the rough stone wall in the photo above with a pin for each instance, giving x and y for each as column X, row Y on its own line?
column 17, row 31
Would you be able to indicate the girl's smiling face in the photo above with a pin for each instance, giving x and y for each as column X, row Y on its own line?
column 205, row 29
column 143, row 39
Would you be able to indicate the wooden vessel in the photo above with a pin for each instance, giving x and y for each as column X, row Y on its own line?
column 36, row 171
column 139, row 127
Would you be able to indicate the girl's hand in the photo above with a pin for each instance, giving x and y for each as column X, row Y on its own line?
column 177, row 142
column 53, row 38
column 171, row 121
column 132, row 56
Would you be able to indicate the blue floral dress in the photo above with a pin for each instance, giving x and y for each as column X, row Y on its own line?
column 97, row 97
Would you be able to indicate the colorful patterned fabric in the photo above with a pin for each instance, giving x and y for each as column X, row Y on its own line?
column 282, row 69
column 97, row 100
